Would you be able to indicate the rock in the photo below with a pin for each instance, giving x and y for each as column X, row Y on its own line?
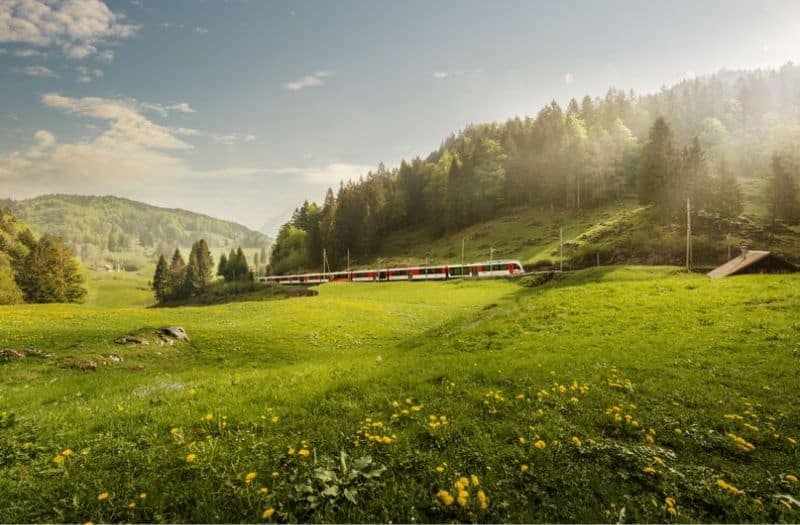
column 10, row 353
column 88, row 365
column 132, row 340
column 114, row 358
column 176, row 332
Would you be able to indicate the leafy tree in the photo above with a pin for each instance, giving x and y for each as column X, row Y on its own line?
column 49, row 273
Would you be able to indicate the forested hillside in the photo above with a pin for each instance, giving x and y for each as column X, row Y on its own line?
column 116, row 230
column 730, row 142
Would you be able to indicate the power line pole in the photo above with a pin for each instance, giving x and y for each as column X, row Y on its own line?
column 561, row 249
column 688, row 235
column 348, row 259
column 462, row 252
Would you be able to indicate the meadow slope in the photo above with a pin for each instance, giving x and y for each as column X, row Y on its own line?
column 617, row 393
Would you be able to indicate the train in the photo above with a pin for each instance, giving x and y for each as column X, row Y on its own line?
column 498, row 268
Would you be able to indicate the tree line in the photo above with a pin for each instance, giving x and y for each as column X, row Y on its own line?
column 694, row 140
column 178, row 280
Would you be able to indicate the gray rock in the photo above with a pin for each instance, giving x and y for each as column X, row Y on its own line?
column 176, row 332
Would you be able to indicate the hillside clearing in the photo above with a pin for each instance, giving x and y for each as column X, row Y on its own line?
column 667, row 395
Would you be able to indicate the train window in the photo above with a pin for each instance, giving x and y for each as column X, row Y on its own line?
column 456, row 271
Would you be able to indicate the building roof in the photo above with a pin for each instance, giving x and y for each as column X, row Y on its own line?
column 738, row 263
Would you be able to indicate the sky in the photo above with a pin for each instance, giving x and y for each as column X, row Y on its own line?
column 243, row 109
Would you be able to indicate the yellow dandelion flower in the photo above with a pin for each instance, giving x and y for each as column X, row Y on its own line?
column 576, row 441
column 174, row 431
column 102, row 496
column 143, row 495
column 649, row 439
column 208, row 417
column 67, row 453
column 483, row 500
column 523, row 468
column 132, row 505
column 649, row 470
column 263, row 490
column 59, row 459
column 445, row 497
column 395, row 404
column 304, row 452
column 540, row 444
column 291, row 451
column 275, row 474
column 248, row 479
column 461, row 483
column 267, row 514
column 463, row 498
column 439, row 469
column 574, row 400
column 474, row 480
column 191, row 457
column 522, row 440
column 678, row 431
column 792, row 478
column 274, row 419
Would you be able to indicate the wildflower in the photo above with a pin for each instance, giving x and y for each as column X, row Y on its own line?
column 523, row 468
column 274, row 419
column 59, row 459
column 463, row 498
column 741, row 443
column 445, row 497
column 522, row 440
column 724, row 485
column 649, row 439
column 483, row 500
column 440, row 469
column 574, row 400
column 576, row 441
column 208, row 417
column 67, row 453
column 263, row 490
column 191, row 457
column 248, row 479
column 174, row 431
column 304, row 452
column 132, row 505
column 540, row 444
column 461, row 483
column 275, row 474
column 291, row 451
column 657, row 460
column 474, row 480
column 143, row 495
column 267, row 514
column 649, row 470
column 102, row 496
column 395, row 404
column 791, row 478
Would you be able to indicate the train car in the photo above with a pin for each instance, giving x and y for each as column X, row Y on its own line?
column 501, row 268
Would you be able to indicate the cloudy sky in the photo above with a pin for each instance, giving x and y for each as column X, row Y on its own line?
column 241, row 109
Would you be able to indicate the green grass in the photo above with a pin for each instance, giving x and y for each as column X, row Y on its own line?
column 670, row 351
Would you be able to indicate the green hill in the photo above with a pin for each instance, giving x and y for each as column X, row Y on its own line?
column 127, row 233
column 636, row 394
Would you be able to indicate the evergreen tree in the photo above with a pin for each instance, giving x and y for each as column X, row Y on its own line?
column 222, row 268
column 177, row 269
column 659, row 169
column 49, row 273
column 193, row 282
column 161, row 279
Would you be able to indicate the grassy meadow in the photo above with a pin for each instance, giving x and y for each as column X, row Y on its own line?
column 612, row 394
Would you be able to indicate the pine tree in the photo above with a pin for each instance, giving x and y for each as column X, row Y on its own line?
column 222, row 269
column 177, row 268
column 193, row 282
column 161, row 279
column 783, row 191
column 49, row 273
column 659, row 169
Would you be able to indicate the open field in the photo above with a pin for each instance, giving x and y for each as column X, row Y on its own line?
column 615, row 393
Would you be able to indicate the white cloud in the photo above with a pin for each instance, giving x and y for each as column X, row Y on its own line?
column 163, row 110
column 233, row 138
column 317, row 79
column 441, row 74
column 28, row 53
column 37, row 71
column 126, row 125
column 201, row 30
column 568, row 78
column 86, row 75
column 106, row 56
column 78, row 27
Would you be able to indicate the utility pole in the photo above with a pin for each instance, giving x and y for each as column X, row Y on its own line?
column 348, row 259
column 491, row 259
column 462, row 252
column 688, row 235
column 561, row 249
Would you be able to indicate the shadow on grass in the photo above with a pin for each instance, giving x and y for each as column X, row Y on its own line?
column 237, row 292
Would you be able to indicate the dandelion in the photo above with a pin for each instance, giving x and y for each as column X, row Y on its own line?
column 274, row 419
column 790, row 477
column 263, row 490
column 649, row 439
column 649, row 470
column 132, row 505
column 574, row 400
column 461, row 484
column 291, row 451
column 267, row 514
column 523, row 468
column 576, row 441
column 304, row 452
column 143, row 495
column 463, row 498
column 275, row 474
column 191, row 457
column 522, row 440
column 174, row 431
column 724, row 485
column 59, row 459
column 540, row 444
column 440, row 469
column 67, row 453
column 102, row 496
column 678, row 431
column 474, row 480
column 208, row 417
column 248, row 479
column 445, row 497
column 483, row 500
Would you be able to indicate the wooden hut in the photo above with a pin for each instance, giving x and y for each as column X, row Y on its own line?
column 753, row 261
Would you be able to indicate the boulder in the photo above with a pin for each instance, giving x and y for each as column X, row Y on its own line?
column 175, row 332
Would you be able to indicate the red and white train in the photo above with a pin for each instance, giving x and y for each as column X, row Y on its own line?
column 413, row 273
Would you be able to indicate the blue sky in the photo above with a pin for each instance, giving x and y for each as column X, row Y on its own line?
column 241, row 109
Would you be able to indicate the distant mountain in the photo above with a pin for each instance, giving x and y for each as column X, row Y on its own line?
column 113, row 228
